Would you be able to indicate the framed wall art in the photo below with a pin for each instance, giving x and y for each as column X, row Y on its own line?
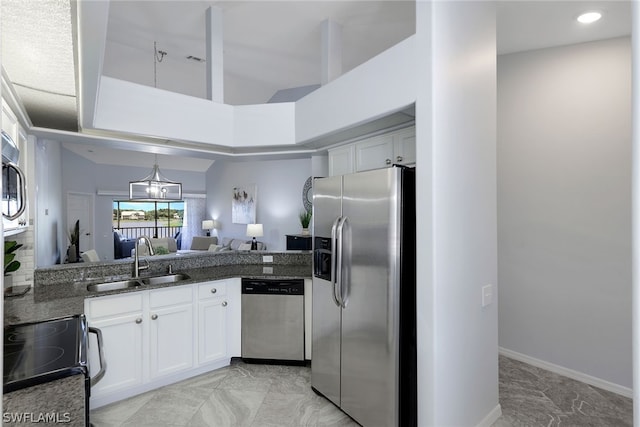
column 243, row 205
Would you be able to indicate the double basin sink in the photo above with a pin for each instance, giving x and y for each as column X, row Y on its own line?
column 136, row 283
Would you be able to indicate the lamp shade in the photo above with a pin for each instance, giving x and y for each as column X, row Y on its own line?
column 208, row 224
column 254, row 230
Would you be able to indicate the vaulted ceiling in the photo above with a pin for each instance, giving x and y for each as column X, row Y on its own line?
column 268, row 45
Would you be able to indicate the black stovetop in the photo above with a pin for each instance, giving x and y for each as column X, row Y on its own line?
column 35, row 353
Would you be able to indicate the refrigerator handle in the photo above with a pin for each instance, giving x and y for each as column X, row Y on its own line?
column 333, row 260
column 340, row 261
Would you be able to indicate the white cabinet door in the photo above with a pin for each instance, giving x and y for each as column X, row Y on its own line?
column 374, row 153
column 171, row 330
column 170, row 340
column 120, row 318
column 9, row 122
column 122, row 347
column 212, row 319
column 341, row 160
column 404, row 146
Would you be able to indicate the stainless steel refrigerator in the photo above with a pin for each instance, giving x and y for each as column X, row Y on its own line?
column 363, row 319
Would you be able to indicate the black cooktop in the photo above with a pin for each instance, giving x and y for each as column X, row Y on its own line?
column 35, row 353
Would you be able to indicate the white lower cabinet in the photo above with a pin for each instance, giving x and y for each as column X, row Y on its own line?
column 171, row 330
column 120, row 319
column 212, row 319
column 156, row 337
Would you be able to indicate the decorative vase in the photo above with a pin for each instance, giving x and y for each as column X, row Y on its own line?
column 305, row 231
column 72, row 255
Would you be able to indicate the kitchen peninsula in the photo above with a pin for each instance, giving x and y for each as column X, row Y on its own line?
column 60, row 290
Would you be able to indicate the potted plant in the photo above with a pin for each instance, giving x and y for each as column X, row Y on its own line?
column 10, row 263
column 305, row 220
column 73, row 252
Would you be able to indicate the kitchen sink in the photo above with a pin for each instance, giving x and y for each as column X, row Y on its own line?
column 113, row 286
column 135, row 283
column 167, row 278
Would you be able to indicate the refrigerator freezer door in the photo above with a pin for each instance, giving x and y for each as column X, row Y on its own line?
column 370, row 377
column 326, row 316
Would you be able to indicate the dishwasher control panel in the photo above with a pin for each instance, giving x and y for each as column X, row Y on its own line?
column 273, row 286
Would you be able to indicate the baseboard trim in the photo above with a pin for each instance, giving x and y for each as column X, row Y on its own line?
column 570, row 373
column 491, row 417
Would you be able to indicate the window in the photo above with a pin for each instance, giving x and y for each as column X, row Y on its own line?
column 152, row 219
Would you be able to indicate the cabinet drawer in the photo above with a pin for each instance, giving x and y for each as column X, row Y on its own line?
column 171, row 296
column 212, row 289
column 114, row 305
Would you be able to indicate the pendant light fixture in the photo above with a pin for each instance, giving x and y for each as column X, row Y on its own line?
column 155, row 187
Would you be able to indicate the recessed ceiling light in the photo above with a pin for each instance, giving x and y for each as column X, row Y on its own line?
column 589, row 17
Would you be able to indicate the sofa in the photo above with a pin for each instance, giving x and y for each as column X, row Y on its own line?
column 202, row 243
column 233, row 244
column 122, row 246
column 168, row 244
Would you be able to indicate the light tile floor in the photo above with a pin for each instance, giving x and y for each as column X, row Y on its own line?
column 273, row 395
column 238, row 395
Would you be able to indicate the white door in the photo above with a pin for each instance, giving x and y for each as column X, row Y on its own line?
column 80, row 207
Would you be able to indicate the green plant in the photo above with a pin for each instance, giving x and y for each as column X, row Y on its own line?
column 161, row 250
column 10, row 263
column 305, row 218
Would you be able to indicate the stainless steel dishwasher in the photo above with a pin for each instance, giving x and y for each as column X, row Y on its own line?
column 273, row 320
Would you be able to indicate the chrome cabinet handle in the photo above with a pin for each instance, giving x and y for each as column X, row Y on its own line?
column 388, row 161
column 224, row 303
column 138, row 320
column 399, row 159
column 154, row 316
column 214, row 290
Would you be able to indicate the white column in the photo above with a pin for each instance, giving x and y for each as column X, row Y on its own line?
column 635, row 223
column 215, row 69
column 331, row 51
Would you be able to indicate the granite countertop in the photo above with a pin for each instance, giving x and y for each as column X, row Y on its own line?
column 65, row 299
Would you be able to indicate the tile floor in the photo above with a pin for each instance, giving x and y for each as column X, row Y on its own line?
column 238, row 395
column 531, row 396
column 272, row 395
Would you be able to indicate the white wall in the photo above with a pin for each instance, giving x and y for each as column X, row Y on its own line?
column 279, row 199
column 383, row 85
column 564, row 207
column 48, row 211
column 456, row 185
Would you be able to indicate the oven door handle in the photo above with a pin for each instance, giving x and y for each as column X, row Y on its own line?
column 103, row 364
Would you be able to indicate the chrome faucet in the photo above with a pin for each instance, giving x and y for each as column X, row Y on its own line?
column 136, row 262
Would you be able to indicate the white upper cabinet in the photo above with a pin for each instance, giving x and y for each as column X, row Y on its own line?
column 374, row 153
column 404, row 146
column 381, row 151
column 341, row 160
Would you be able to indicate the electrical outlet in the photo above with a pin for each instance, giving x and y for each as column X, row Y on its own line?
column 267, row 258
column 267, row 270
column 487, row 295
